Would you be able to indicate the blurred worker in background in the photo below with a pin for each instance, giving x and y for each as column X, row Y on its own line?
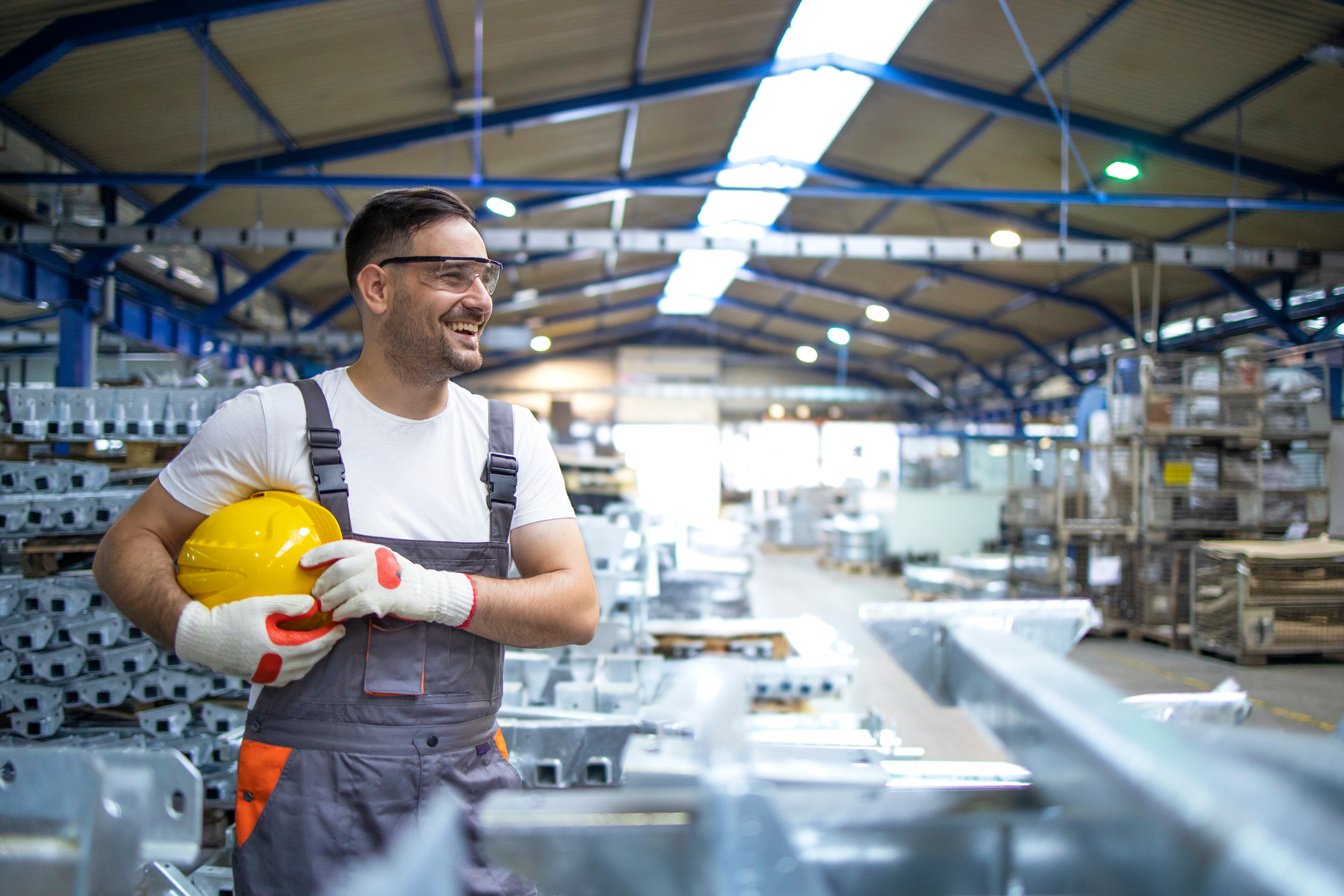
column 436, row 490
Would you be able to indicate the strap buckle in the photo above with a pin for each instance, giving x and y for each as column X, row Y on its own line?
column 502, row 478
column 324, row 437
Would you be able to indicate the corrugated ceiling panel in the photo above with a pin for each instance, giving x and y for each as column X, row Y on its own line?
column 1048, row 321
column 971, row 41
column 536, row 51
column 1291, row 124
column 690, row 35
column 24, row 18
column 378, row 67
column 1127, row 73
column 981, row 346
column 156, row 119
column 896, row 135
column 908, row 326
column 681, row 134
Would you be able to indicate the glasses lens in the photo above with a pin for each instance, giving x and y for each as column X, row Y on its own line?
column 457, row 276
column 490, row 276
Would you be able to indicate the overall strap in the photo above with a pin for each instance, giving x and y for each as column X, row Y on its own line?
column 324, row 455
column 501, row 471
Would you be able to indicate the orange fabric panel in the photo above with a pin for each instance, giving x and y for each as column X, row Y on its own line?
column 259, row 768
column 499, row 743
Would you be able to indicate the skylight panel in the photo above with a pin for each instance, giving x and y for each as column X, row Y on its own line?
column 865, row 29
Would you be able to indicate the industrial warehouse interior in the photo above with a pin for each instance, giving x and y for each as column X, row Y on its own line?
column 948, row 393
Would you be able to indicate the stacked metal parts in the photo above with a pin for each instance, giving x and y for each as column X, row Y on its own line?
column 1159, row 794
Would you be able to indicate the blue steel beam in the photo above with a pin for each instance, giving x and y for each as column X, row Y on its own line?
column 201, row 185
column 1276, row 316
column 253, row 101
column 752, row 275
column 1045, row 292
column 1154, row 143
column 445, row 47
column 330, row 313
column 47, row 46
column 626, row 333
column 909, row 345
column 150, row 316
column 263, row 278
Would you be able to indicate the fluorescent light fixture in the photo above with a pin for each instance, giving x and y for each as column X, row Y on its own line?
column 793, row 118
column 540, row 343
column 838, row 335
column 806, row 353
column 1123, row 169
column 701, row 305
column 1005, row 239
column 501, row 206
column 704, row 273
column 1178, row 328
column 796, row 116
column 878, row 314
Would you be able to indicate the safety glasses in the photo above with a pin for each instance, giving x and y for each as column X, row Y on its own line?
column 454, row 273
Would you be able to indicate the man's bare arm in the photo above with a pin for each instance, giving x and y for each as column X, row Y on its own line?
column 555, row 602
column 136, row 562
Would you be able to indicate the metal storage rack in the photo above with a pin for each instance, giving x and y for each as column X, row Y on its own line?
column 1186, row 394
column 1255, row 599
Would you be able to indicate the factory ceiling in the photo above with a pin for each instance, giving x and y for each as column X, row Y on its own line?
column 209, row 154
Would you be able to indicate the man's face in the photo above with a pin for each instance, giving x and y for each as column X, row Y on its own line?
column 432, row 333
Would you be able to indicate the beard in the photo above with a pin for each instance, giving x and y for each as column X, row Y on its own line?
column 418, row 348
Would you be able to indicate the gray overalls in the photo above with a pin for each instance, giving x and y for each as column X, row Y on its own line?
column 343, row 758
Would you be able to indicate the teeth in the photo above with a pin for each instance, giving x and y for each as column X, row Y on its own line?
column 465, row 327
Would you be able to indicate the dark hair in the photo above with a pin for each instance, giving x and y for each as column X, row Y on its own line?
column 387, row 223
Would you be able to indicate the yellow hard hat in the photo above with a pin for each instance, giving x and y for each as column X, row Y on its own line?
column 252, row 548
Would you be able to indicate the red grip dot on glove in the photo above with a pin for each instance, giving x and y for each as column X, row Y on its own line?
column 389, row 570
column 268, row 668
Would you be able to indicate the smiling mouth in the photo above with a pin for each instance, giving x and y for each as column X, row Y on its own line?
column 466, row 327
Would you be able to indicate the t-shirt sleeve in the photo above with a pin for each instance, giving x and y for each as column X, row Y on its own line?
column 225, row 461
column 541, row 485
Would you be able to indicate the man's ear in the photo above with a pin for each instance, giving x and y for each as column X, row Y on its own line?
column 375, row 286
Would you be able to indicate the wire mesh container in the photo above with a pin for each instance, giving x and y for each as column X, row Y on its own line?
column 1162, row 608
column 1099, row 487
column 1296, row 488
column 1181, row 393
column 1201, row 487
column 1255, row 599
column 1032, row 497
column 1296, row 403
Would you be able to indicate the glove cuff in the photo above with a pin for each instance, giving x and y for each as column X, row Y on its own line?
column 454, row 599
column 192, row 641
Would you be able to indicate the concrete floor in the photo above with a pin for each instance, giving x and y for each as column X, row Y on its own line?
column 1290, row 696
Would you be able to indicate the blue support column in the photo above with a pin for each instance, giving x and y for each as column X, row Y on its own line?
column 75, row 354
column 1336, row 381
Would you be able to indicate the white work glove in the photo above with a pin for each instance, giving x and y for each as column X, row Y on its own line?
column 368, row 579
column 243, row 638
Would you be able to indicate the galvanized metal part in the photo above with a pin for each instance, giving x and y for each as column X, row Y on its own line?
column 84, row 822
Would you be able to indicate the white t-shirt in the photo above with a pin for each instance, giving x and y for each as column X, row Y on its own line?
column 418, row 479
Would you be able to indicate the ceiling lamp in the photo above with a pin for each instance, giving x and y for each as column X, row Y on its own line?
column 1123, row 169
column 838, row 335
column 540, row 343
column 501, row 206
column 806, row 353
column 878, row 314
column 775, row 411
column 1005, row 239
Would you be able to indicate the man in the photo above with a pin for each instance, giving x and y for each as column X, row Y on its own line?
column 362, row 723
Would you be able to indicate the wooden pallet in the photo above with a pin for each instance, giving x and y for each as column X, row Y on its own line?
column 46, row 555
column 683, row 645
